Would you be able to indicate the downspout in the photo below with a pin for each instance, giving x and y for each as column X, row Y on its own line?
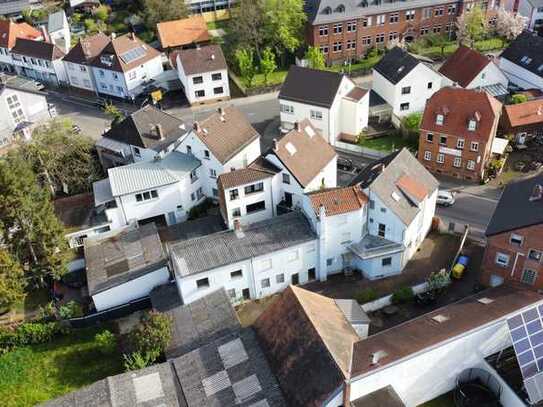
column 322, row 229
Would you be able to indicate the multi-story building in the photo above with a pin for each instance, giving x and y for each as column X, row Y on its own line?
column 514, row 250
column 345, row 30
column 533, row 11
column 9, row 32
column 458, row 131
column 58, row 30
column 523, row 121
column 522, row 61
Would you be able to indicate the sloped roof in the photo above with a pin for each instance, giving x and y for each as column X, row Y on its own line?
column 220, row 249
column 396, row 64
column 208, row 58
column 140, row 129
column 226, row 134
column 308, row 343
column 87, row 48
column 337, row 201
column 56, row 20
column 310, row 86
column 464, row 65
column 458, row 106
column 385, row 396
column 37, row 49
column 145, row 175
column 515, row 210
column 356, row 94
column 524, row 114
column 258, row 170
column 529, row 45
column 185, row 31
column 304, row 152
column 10, row 31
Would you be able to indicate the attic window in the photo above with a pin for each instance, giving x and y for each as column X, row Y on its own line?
column 525, row 60
column 327, row 10
column 472, row 125
column 340, row 8
column 485, row 300
column 107, row 60
column 395, row 196
column 440, row 318
column 401, row 68
column 290, row 148
column 439, row 119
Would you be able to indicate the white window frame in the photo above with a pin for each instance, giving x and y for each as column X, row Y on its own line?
column 504, row 257
column 427, row 155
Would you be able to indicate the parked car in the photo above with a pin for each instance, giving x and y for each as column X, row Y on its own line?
column 344, row 164
column 445, row 198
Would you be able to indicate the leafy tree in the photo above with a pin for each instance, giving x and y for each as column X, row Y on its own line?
column 284, row 21
column 315, row 58
column 267, row 64
column 509, row 25
column 92, row 26
column 246, row 25
column 114, row 113
column 438, row 40
column 101, row 13
column 163, row 10
column 246, row 66
column 153, row 334
column 76, row 17
column 412, row 121
column 471, row 26
column 30, row 229
column 12, row 282
column 518, row 98
column 62, row 160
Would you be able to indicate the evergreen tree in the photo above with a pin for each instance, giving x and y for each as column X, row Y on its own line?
column 12, row 282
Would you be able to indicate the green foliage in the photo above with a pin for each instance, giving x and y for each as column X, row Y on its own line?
column 246, row 25
column 267, row 63
column 315, row 58
column 163, row 10
column 402, row 295
column 412, row 121
column 284, row 21
column 47, row 312
column 76, row 18
column 30, row 333
column 71, row 309
column 245, row 61
column 366, row 295
column 12, row 282
column 200, row 210
column 61, row 159
column 102, row 13
column 438, row 281
column 137, row 360
column 518, row 98
column 153, row 334
column 472, row 25
column 113, row 113
column 106, row 341
column 30, row 229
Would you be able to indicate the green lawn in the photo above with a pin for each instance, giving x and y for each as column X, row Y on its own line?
column 33, row 374
column 435, row 52
column 386, row 143
column 446, row 400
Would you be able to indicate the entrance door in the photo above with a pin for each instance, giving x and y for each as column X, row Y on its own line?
column 246, row 294
column 295, row 279
column 288, row 199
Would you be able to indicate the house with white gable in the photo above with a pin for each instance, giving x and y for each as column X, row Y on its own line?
column 532, row 10
column 58, row 30
column 522, row 61
column 162, row 190
column 223, row 142
column 307, row 163
column 141, row 136
column 404, row 82
column 330, row 101
column 203, row 73
column 9, row 32
column 470, row 69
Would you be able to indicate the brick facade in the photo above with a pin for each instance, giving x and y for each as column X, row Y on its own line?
column 524, row 253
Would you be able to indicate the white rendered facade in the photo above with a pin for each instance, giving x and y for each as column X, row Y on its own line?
column 532, row 10
column 42, row 70
column 80, row 76
column 204, row 86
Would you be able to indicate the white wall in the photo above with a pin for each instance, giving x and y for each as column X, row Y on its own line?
column 301, row 112
column 355, row 115
column 79, row 76
column 131, row 290
column 207, row 85
column 372, row 268
column 520, row 76
column 34, row 107
column 395, row 228
column 490, row 75
column 40, row 69
column 531, row 13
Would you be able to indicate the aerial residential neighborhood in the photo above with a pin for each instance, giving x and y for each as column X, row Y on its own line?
column 267, row 203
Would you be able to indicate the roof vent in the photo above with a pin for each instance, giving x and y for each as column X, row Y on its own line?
column 440, row 318
column 485, row 300
column 537, row 193
column 377, row 356
column 290, row 148
column 540, row 110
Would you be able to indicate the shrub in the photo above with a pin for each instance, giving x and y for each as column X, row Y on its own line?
column 519, row 98
column 106, row 341
column 32, row 333
column 153, row 334
column 402, row 295
column 137, row 360
column 69, row 310
column 47, row 312
column 101, row 13
column 366, row 295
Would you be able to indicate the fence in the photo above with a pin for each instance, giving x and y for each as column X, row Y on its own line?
column 111, row 314
column 366, row 152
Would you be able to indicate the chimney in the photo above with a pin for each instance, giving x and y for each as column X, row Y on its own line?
column 113, row 36
column 196, row 126
column 133, row 36
column 159, row 131
column 297, row 126
column 275, row 144
column 537, row 193
column 222, row 114
column 322, row 213
column 44, row 34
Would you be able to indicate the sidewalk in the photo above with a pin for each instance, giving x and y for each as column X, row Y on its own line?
column 484, row 191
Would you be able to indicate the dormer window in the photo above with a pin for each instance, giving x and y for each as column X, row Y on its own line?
column 340, row 9
column 107, row 60
column 526, row 60
column 327, row 10
column 439, row 119
column 472, row 125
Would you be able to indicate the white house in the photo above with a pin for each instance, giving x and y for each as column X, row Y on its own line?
column 307, row 163
column 39, row 60
column 9, row 32
column 522, row 61
column 123, row 266
column 125, row 67
column 252, row 262
column 225, row 141
column 330, row 101
column 533, row 11
column 77, row 61
column 404, row 82
column 141, row 136
column 203, row 73
column 58, row 30
column 161, row 190
column 470, row 69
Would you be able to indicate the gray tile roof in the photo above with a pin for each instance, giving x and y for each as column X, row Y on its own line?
column 117, row 258
column 374, row 246
column 55, row 21
column 353, row 311
column 208, row 58
column 192, row 229
column 13, row 6
column 223, row 248
column 146, row 175
column 396, row 64
column 227, row 372
column 529, row 45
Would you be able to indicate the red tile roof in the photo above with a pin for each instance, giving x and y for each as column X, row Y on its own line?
column 10, row 31
column 412, row 187
column 464, row 65
column 524, row 114
column 356, row 94
column 186, row 31
column 338, row 200
column 258, row 170
column 458, row 106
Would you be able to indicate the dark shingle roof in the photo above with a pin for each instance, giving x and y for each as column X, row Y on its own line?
column 87, row 48
column 140, row 129
column 528, row 45
column 37, row 49
column 515, row 209
column 385, row 396
column 396, row 64
column 464, row 65
column 204, row 59
column 311, row 86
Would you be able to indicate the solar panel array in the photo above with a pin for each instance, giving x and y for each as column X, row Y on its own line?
column 526, row 331
column 133, row 54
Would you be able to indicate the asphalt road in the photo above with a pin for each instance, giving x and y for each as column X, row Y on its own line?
column 470, row 209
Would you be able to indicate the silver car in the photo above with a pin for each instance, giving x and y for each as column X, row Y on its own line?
column 445, row 198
